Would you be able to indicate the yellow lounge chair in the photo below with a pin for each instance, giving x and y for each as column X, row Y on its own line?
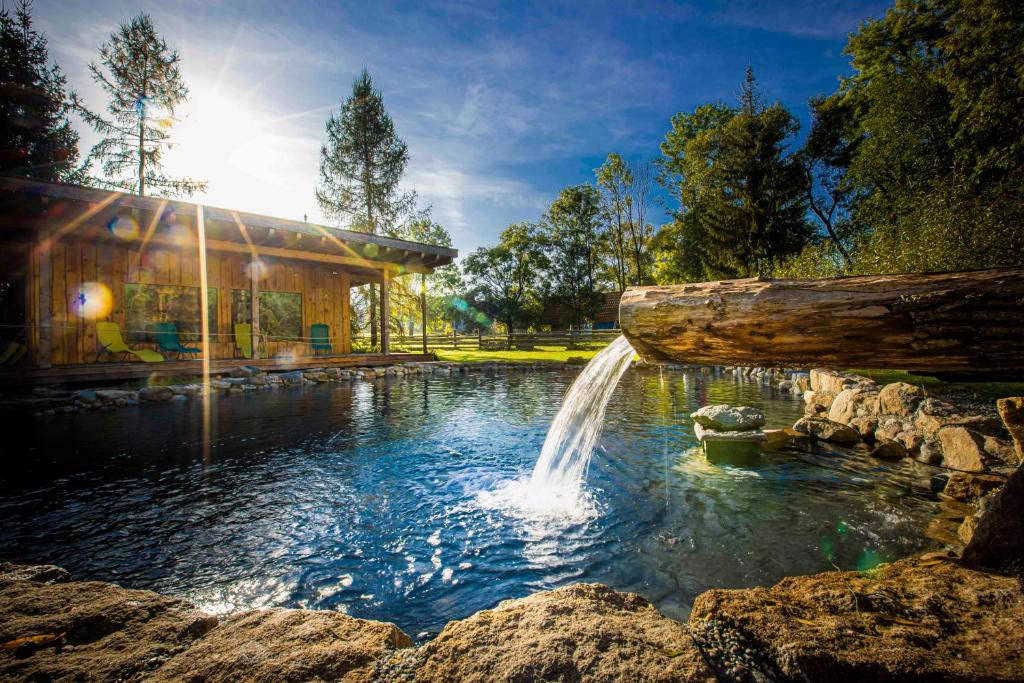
column 109, row 335
column 243, row 339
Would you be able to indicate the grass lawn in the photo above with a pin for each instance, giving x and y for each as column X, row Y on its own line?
column 980, row 391
column 539, row 353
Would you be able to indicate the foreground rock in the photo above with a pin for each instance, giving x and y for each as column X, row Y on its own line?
column 584, row 632
column 726, row 418
column 287, row 645
column 997, row 542
column 915, row 619
column 55, row 629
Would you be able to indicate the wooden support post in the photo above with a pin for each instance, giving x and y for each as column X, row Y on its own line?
column 423, row 308
column 255, row 269
column 385, row 330
column 44, row 276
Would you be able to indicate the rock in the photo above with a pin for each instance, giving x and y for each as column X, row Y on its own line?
column 889, row 450
column 998, row 541
column 576, row 360
column 1011, row 410
column 785, row 385
column 849, row 403
column 827, row 430
column 967, row 487
column 110, row 633
column 866, row 426
column 583, row 632
column 965, row 532
column 179, row 398
column 286, row 645
column 900, row 399
column 774, row 439
column 911, row 440
column 999, row 449
column 962, row 449
column 113, row 395
column 293, row 377
column 333, row 373
column 829, row 382
column 40, row 573
column 726, row 418
column 910, row 620
column 929, row 454
column 155, row 394
column 86, row 396
column 220, row 384
column 803, row 381
column 888, row 429
column 818, row 402
column 245, row 371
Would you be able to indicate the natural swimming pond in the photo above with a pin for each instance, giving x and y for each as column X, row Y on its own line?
column 377, row 497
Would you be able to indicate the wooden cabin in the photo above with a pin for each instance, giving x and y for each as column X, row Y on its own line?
column 73, row 256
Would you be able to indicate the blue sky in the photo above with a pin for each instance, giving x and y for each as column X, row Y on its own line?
column 502, row 104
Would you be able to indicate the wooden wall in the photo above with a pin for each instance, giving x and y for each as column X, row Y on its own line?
column 324, row 289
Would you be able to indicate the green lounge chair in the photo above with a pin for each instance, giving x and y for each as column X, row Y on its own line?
column 109, row 335
column 166, row 336
column 243, row 339
column 13, row 353
column 320, row 333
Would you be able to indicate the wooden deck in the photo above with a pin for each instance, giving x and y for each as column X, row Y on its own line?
column 108, row 373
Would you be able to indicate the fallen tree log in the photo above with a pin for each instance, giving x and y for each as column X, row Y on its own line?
column 963, row 323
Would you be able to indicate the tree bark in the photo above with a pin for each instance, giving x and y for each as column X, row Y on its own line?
column 952, row 323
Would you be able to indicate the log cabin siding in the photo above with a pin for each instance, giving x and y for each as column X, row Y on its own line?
column 73, row 262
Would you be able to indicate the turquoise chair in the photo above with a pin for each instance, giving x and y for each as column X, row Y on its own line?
column 166, row 336
column 320, row 333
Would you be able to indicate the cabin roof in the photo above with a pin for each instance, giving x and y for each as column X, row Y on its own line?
column 32, row 204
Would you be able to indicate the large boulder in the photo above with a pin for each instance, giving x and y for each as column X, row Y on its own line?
column 827, row 430
column 583, row 632
column 900, row 399
column 967, row 487
column 912, row 620
column 852, row 403
column 270, row 645
column 156, row 394
column 998, row 539
column 962, row 449
column 726, row 418
column 87, row 630
column 1011, row 410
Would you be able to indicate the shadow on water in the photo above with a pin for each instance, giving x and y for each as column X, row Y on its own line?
column 366, row 498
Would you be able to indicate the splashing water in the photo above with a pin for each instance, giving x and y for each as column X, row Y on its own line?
column 562, row 465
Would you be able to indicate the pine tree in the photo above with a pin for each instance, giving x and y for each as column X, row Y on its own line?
column 36, row 137
column 141, row 76
column 361, row 165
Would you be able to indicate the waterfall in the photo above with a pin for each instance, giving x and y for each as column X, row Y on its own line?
column 570, row 442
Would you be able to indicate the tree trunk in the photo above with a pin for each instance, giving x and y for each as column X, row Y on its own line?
column 952, row 323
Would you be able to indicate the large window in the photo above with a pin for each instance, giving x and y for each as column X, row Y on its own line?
column 280, row 312
column 148, row 304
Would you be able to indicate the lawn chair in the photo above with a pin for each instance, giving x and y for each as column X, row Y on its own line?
column 243, row 340
column 109, row 336
column 166, row 336
column 13, row 353
column 320, row 333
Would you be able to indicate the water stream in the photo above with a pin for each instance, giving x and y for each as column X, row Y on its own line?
column 569, row 446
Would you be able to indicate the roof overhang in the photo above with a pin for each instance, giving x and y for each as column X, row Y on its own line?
column 72, row 211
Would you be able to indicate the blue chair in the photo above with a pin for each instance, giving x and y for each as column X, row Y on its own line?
column 320, row 333
column 166, row 336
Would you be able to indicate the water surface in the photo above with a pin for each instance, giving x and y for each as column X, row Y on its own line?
column 378, row 498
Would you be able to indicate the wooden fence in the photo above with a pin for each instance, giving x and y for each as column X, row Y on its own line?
column 480, row 341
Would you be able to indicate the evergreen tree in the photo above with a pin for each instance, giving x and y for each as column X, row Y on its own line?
column 361, row 165
column 36, row 137
column 741, row 195
column 141, row 76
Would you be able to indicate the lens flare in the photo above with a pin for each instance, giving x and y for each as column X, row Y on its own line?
column 371, row 250
column 124, row 227
column 257, row 270
column 180, row 235
column 93, row 301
